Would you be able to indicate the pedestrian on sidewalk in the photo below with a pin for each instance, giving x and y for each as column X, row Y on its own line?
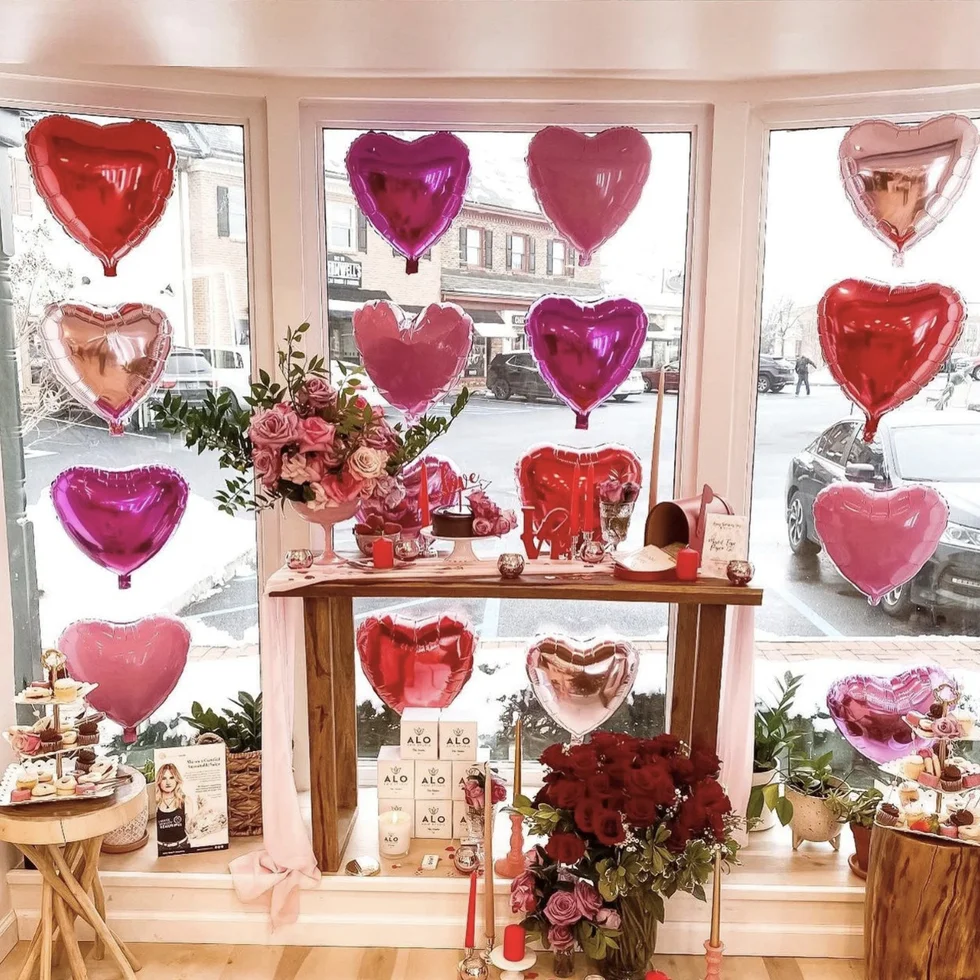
column 803, row 365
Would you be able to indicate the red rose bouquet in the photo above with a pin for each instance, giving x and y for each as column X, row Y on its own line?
column 628, row 823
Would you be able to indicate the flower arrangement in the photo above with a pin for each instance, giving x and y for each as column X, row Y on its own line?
column 473, row 784
column 488, row 518
column 628, row 823
column 306, row 440
column 616, row 491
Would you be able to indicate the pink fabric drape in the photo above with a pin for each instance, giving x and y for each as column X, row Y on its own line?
column 286, row 862
column 735, row 723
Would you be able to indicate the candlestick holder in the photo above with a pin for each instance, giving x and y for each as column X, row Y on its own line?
column 712, row 958
column 472, row 966
column 512, row 864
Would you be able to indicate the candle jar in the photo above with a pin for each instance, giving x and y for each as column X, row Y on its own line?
column 563, row 964
column 394, row 833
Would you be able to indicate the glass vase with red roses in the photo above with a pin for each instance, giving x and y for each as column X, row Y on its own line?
column 628, row 822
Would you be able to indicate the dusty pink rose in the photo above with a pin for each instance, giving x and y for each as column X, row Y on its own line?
column 267, row 463
column 299, row 469
column 946, row 728
column 274, row 428
column 560, row 937
column 317, row 394
column 523, row 897
column 320, row 499
column 505, row 523
column 608, row 919
column 562, row 909
column 611, row 490
column 316, row 435
column 380, row 435
column 343, row 488
column 482, row 527
column 367, row 464
column 532, row 857
column 482, row 505
column 587, row 898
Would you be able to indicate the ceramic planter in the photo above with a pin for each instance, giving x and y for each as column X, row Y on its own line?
column 812, row 820
column 767, row 819
column 858, row 861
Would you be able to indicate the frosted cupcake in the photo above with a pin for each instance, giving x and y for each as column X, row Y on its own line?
column 966, row 823
column 912, row 766
column 66, row 690
column 888, row 815
column 951, row 779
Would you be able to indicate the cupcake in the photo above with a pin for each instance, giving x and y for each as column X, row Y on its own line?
column 51, row 740
column 960, row 818
column 85, row 760
column 951, row 779
column 908, row 793
column 88, row 733
column 966, row 720
column 911, row 766
column 66, row 690
column 937, row 709
column 969, row 826
column 888, row 815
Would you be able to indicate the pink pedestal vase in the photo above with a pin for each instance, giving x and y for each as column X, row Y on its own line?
column 326, row 518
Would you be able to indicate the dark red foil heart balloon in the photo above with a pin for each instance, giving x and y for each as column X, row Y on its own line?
column 416, row 663
column 883, row 344
column 107, row 186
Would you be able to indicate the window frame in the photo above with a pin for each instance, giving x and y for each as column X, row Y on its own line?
column 351, row 228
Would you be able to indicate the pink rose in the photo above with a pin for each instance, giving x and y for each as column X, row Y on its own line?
column 380, row 435
column 473, row 793
column 482, row 527
column 587, row 898
column 482, row 505
column 946, row 728
column 317, row 394
column 274, row 428
column 608, row 919
column 562, row 909
column 611, row 491
column 343, row 488
column 367, row 464
column 532, row 857
column 523, row 897
column 316, row 435
column 300, row 469
column 267, row 463
column 320, row 499
column 560, row 937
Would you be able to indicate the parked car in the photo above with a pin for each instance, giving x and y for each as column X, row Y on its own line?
column 517, row 373
column 910, row 447
column 231, row 366
column 774, row 374
column 187, row 373
column 672, row 377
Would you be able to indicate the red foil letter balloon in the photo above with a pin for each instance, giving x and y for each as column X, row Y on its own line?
column 107, row 186
column 136, row 665
column 416, row 663
column 588, row 185
column 883, row 344
column 108, row 359
column 879, row 539
column 120, row 518
column 413, row 362
column 585, row 352
column 409, row 190
column 903, row 180
column 581, row 684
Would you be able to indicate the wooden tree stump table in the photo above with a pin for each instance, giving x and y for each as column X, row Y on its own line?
column 64, row 841
column 921, row 909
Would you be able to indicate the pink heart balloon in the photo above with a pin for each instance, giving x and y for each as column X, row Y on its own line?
column 581, row 684
column 414, row 362
column 136, row 665
column 585, row 352
column 870, row 710
column 410, row 190
column 109, row 359
column 903, row 180
column 879, row 539
column 588, row 185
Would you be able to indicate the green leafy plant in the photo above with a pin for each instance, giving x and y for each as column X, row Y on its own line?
column 240, row 730
column 814, row 777
column 776, row 738
column 856, row 806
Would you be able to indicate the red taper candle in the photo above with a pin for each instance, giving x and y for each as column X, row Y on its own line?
column 424, row 495
column 470, row 940
column 515, row 940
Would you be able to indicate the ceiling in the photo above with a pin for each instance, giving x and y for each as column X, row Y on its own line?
column 689, row 39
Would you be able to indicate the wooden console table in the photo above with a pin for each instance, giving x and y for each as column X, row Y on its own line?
column 328, row 595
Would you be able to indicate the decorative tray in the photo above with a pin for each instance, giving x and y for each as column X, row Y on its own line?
column 923, row 833
column 102, row 790
column 83, row 692
column 47, row 755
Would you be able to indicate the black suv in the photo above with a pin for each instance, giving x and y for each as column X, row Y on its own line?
column 516, row 373
column 774, row 373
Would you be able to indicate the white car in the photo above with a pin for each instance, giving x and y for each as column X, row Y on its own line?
column 633, row 385
column 231, row 367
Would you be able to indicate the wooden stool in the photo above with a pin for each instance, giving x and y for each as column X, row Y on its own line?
column 63, row 841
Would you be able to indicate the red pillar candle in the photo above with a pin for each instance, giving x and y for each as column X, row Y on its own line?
column 687, row 565
column 514, row 943
column 383, row 553
column 424, row 495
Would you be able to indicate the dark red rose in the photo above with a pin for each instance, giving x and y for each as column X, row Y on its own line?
column 641, row 812
column 705, row 764
column 682, row 769
column 665, row 744
column 565, row 848
column 567, row 793
column 652, row 782
column 618, row 769
column 615, row 800
column 605, row 742
column 585, row 815
column 583, row 760
column 544, row 795
column 598, row 785
column 701, row 815
column 554, row 757
column 609, row 828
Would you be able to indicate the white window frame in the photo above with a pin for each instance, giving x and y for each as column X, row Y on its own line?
column 333, row 209
column 237, row 214
column 481, row 237
column 558, row 269
column 525, row 249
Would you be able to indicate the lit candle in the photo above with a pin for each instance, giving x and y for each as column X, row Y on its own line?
column 424, row 495
column 470, row 940
column 394, row 833
column 517, row 759
column 590, row 499
column 575, row 519
column 490, row 928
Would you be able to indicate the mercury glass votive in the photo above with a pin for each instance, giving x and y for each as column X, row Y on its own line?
column 740, row 572
column 510, row 565
column 299, row 559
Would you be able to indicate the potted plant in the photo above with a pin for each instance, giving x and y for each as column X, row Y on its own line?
column 858, row 808
column 775, row 739
column 811, row 794
column 240, row 728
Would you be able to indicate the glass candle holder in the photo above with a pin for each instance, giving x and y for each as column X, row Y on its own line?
column 394, row 833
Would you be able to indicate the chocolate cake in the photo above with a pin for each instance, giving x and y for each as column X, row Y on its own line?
column 448, row 522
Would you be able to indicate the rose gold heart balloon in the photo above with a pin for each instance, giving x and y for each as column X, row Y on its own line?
column 902, row 180
column 581, row 684
column 109, row 359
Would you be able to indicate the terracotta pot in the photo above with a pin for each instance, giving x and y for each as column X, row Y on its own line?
column 767, row 819
column 812, row 820
column 862, row 849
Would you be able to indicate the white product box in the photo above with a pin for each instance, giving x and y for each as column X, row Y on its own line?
column 460, row 827
column 434, row 780
column 406, row 806
column 396, row 776
column 460, row 769
column 457, row 738
column 420, row 733
column 434, row 819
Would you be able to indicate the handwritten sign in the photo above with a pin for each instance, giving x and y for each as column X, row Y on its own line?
column 726, row 537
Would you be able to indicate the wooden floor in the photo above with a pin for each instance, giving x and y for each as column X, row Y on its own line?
column 187, row 962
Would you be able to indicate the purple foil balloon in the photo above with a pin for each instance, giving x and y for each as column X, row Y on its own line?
column 409, row 190
column 120, row 518
column 585, row 352
column 869, row 710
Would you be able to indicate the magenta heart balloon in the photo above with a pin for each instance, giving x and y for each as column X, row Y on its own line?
column 410, row 190
column 136, row 665
column 879, row 539
column 588, row 185
column 585, row 352
column 869, row 710
column 413, row 362
column 120, row 518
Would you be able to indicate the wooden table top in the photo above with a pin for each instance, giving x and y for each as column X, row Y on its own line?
column 480, row 580
column 62, row 823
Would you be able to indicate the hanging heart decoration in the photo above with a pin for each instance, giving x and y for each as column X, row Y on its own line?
column 136, row 665
column 120, row 518
column 414, row 362
column 588, row 185
column 445, row 482
column 903, row 180
column 416, row 663
column 869, row 710
column 585, row 352
column 883, row 344
column 410, row 190
column 107, row 186
column 109, row 359
column 879, row 539
column 581, row 684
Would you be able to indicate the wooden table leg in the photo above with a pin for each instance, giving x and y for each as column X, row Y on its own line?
column 682, row 670
column 75, row 961
column 707, row 677
column 47, row 929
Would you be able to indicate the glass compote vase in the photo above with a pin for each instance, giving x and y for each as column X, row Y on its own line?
column 614, row 519
column 326, row 518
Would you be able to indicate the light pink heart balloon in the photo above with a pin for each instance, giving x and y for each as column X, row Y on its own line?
column 413, row 362
column 136, row 665
column 581, row 684
column 879, row 539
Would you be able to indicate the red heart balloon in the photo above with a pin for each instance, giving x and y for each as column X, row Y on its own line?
column 545, row 474
column 416, row 663
column 883, row 344
column 107, row 186
column 588, row 185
